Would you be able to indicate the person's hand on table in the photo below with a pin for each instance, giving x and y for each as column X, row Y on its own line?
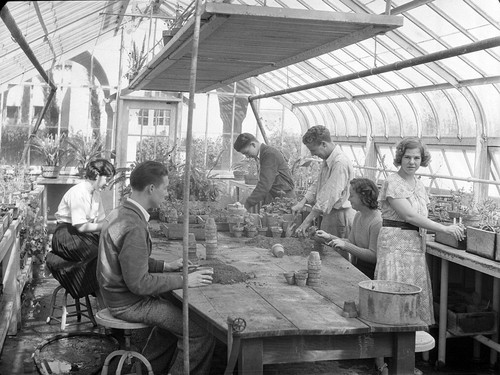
column 337, row 242
column 200, row 278
column 174, row 266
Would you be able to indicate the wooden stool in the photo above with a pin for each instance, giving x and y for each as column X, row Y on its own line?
column 82, row 309
column 105, row 319
column 423, row 343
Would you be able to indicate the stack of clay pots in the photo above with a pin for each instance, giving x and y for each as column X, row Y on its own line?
column 313, row 269
column 192, row 256
column 211, row 238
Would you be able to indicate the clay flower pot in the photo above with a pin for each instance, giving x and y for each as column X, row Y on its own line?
column 252, row 233
column 262, row 231
column 238, row 232
column 276, row 231
column 301, row 278
column 290, row 277
column 278, row 250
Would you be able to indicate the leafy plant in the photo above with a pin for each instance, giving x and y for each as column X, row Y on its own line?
column 136, row 59
column 463, row 203
column 248, row 165
column 52, row 147
column 85, row 148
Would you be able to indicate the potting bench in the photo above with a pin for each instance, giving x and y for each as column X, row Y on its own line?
column 481, row 266
column 266, row 321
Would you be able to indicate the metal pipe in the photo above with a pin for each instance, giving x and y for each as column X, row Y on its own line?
column 413, row 90
column 45, row 31
column 430, row 175
column 259, row 123
column 431, row 57
column 19, row 38
column 187, row 170
column 138, row 15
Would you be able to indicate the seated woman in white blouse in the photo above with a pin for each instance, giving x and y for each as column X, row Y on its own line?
column 75, row 242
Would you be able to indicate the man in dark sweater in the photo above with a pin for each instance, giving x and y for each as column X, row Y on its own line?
column 275, row 178
column 133, row 284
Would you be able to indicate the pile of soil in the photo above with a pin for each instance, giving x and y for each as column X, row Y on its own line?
column 292, row 245
column 224, row 273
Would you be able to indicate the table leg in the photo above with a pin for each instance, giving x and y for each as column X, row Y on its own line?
column 478, row 286
column 251, row 357
column 403, row 359
column 496, row 307
column 443, row 313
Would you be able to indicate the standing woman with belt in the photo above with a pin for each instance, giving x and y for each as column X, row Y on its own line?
column 401, row 242
column 75, row 242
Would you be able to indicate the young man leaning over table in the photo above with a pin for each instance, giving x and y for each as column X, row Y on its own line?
column 133, row 284
column 329, row 194
column 275, row 178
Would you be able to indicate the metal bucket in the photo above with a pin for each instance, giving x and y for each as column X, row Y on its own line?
column 388, row 302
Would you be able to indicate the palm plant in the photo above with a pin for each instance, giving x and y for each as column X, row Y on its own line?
column 85, row 148
column 51, row 147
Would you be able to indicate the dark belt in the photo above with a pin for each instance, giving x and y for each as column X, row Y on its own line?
column 399, row 224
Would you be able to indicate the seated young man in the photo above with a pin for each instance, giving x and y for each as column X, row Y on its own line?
column 132, row 283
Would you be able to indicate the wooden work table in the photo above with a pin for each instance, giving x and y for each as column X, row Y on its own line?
column 266, row 321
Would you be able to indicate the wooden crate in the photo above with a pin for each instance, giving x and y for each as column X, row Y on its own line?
column 176, row 231
column 472, row 323
column 468, row 323
column 450, row 240
column 481, row 242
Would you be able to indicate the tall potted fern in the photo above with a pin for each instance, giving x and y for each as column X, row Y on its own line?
column 85, row 148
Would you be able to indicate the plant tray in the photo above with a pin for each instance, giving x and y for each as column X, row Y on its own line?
column 448, row 239
column 481, row 242
column 473, row 323
column 176, row 231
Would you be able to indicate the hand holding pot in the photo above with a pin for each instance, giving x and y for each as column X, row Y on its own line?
column 324, row 235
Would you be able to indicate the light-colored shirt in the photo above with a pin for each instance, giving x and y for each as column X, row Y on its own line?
column 81, row 204
column 331, row 189
column 396, row 187
column 364, row 232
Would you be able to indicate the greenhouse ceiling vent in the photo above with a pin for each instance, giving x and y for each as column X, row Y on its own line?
column 240, row 41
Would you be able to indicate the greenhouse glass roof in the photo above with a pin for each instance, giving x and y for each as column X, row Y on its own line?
column 452, row 96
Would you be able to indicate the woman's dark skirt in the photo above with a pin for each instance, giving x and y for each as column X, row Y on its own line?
column 73, row 260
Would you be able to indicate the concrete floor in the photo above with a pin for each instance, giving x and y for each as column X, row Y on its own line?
column 16, row 356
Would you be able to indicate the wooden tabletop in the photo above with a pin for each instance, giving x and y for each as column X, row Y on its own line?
column 271, row 307
column 472, row 261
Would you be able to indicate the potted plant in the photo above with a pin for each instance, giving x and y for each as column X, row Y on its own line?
column 136, row 60
column 52, row 148
column 238, row 230
column 85, row 148
column 246, row 169
column 484, row 239
column 464, row 208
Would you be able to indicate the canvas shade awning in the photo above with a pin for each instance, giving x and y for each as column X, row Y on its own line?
column 237, row 42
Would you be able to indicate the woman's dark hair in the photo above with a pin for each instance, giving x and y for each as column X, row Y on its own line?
column 147, row 173
column 316, row 134
column 411, row 143
column 99, row 167
column 243, row 140
column 367, row 191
